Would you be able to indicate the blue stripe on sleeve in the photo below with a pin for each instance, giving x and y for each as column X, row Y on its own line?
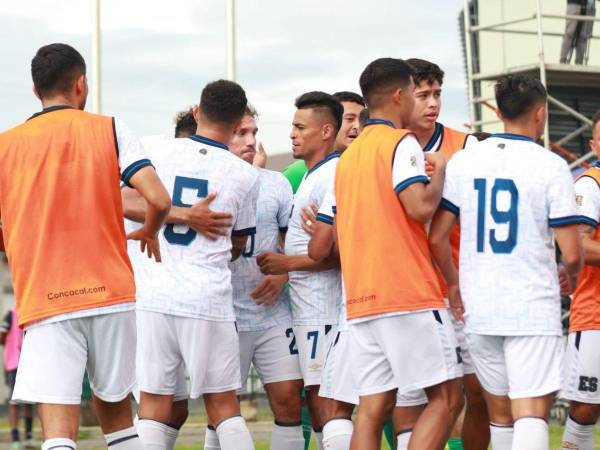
column 570, row 220
column 325, row 218
column 133, row 168
column 244, row 232
column 448, row 205
column 406, row 183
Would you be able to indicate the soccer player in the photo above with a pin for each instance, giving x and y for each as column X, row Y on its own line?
column 73, row 283
column 435, row 137
column 399, row 327
column 315, row 288
column 581, row 369
column 185, row 313
column 262, row 304
column 513, row 197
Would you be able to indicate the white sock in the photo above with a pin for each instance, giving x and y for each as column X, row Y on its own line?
column 577, row 436
column 172, row 434
column 234, row 434
column 403, row 438
column 126, row 439
column 287, row 437
column 211, row 440
column 153, row 434
column 319, row 439
column 59, row 444
column 501, row 436
column 337, row 434
column 531, row 433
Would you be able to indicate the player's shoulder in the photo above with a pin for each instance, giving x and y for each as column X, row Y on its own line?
column 587, row 182
column 159, row 146
column 274, row 178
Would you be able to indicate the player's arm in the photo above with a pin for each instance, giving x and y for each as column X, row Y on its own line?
column 441, row 250
column 238, row 245
column 591, row 248
column 321, row 243
column 419, row 194
column 569, row 242
column 200, row 217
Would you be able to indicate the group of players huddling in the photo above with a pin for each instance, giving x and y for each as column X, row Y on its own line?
column 349, row 288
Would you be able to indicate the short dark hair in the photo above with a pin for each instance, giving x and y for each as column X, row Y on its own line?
column 517, row 94
column 55, row 67
column 223, row 101
column 321, row 101
column 347, row 96
column 481, row 135
column 595, row 119
column 425, row 71
column 185, row 123
column 363, row 117
column 381, row 74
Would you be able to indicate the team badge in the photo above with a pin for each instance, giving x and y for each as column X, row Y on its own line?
column 203, row 151
column 413, row 161
column 579, row 200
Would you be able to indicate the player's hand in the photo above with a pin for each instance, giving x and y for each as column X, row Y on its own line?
column 436, row 162
column 567, row 284
column 260, row 157
column 308, row 218
column 272, row 263
column 207, row 222
column 269, row 289
column 456, row 304
column 429, row 169
column 148, row 242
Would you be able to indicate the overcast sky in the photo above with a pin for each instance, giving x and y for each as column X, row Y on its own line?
column 157, row 55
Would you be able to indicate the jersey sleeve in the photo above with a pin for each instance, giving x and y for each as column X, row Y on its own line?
column 327, row 209
column 132, row 155
column 587, row 197
column 562, row 209
column 245, row 222
column 286, row 200
column 408, row 166
column 450, row 195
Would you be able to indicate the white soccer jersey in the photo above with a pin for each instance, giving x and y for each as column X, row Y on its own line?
column 315, row 296
column 509, row 192
column 588, row 199
column 273, row 211
column 194, row 279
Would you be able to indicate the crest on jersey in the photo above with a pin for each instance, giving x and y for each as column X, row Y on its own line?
column 413, row 161
column 203, row 151
column 579, row 200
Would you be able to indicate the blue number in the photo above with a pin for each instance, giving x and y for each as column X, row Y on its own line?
column 250, row 253
column 181, row 183
column 480, row 185
column 509, row 217
column 315, row 335
column 290, row 332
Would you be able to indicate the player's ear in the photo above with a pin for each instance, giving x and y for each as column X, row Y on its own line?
column 397, row 95
column 196, row 113
column 499, row 114
column 540, row 114
column 328, row 131
column 81, row 85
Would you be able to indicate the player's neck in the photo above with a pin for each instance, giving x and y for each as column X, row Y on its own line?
column 424, row 135
column 317, row 157
column 382, row 114
column 522, row 129
column 215, row 133
column 59, row 101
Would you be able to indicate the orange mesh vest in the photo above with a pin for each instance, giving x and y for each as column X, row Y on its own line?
column 452, row 141
column 384, row 253
column 62, row 215
column 585, row 306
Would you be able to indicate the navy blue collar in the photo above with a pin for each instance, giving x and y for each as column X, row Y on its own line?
column 438, row 134
column 50, row 109
column 597, row 165
column 516, row 137
column 323, row 161
column 379, row 122
column 207, row 141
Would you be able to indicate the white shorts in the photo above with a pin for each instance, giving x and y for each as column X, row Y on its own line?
column 407, row 352
column 337, row 380
column 167, row 344
column 55, row 356
column 465, row 353
column 582, row 367
column 517, row 366
column 313, row 342
column 273, row 354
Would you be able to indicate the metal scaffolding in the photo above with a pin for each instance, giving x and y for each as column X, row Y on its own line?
column 550, row 74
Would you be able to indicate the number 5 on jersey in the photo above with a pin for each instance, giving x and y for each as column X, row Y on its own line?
column 181, row 183
column 508, row 217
